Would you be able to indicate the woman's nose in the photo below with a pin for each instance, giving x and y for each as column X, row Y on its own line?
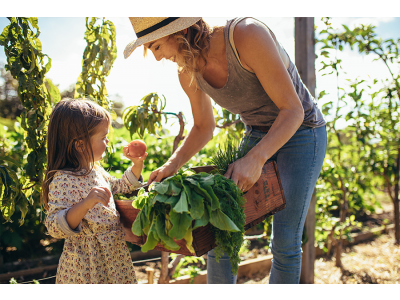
column 158, row 57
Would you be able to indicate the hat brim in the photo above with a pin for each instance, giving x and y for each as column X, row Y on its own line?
column 175, row 26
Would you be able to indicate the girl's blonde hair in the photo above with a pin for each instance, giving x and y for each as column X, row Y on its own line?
column 72, row 122
column 193, row 47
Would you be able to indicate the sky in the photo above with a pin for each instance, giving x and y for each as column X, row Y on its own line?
column 62, row 37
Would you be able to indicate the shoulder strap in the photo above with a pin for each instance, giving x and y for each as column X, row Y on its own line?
column 231, row 41
column 281, row 50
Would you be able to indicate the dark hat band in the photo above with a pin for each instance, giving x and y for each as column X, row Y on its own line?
column 155, row 27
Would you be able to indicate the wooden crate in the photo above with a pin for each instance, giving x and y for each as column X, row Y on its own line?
column 265, row 198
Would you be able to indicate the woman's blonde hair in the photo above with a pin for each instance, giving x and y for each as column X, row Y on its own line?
column 72, row 121
column 193, row 47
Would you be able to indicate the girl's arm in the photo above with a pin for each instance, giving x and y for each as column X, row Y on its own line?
column 258, row 54
column 78, row 211
column 131, row 179
column 66, row 207
column 199, row 135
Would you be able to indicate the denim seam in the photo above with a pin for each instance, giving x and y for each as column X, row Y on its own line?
column 309, row 178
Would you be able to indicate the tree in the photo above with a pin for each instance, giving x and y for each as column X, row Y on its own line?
column 28, row 65
column 349, row 178
column 378, row 123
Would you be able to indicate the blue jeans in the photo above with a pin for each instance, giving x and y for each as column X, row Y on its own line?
column 299, row 163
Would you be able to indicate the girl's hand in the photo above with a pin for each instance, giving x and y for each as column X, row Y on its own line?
column 97, row 195
column 244, row 172
column 78, row 211
column 135, row 160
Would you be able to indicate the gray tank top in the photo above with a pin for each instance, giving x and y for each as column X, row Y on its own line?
column 243, row 93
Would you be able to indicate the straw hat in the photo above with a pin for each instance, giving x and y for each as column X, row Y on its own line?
column 149, row 29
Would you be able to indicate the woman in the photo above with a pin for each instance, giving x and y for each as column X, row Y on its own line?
column 246, row 71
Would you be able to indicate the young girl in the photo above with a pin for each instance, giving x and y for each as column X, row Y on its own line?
column 77, row 192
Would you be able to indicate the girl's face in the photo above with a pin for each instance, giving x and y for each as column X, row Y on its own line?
column 165, row 47
column 99, row 140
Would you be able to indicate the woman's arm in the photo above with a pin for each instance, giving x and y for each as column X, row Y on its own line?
column 258, row 54
column 199, row 135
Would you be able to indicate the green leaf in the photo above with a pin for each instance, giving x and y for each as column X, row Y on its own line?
column 3, row 36
column 222, row 221
column 214, row 202
column 13, row 161
column 173, row 189
column 189, row 240
column 161, row 187
column 180, row 224
column 196, row 203
column 168, row 242
column 152, row 239
column 137, row 226
column 172, row 200
column 140, row 200
column 182, row 205
column 205, row 218
column 159, row 198
column 53, row 91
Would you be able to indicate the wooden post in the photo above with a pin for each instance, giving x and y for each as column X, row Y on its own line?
column 305, row 63
column 150, row 275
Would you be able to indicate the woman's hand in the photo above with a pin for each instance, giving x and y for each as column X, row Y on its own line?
column 244, row 172
column 166, row 170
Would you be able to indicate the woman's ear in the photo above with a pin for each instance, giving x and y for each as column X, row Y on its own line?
column 185, row 31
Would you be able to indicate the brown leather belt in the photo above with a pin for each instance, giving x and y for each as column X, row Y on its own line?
column 261, row 128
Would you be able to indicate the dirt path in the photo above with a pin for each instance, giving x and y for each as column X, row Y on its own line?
column 376, row 261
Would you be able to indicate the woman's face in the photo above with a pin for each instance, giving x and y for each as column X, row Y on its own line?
column 165, row 47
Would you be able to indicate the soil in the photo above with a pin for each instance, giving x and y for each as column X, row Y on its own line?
column 376, row 261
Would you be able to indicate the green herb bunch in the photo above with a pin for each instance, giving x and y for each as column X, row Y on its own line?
column 232, row 204
column 229, row 153
column 181, row 203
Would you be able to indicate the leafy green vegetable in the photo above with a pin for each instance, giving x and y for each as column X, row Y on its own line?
column 175, row 207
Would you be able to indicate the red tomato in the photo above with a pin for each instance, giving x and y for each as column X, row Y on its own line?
column 137, row 148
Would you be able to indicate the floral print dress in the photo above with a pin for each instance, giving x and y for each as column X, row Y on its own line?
column 95, row 251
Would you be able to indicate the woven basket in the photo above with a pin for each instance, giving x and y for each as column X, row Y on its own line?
column 265, row 198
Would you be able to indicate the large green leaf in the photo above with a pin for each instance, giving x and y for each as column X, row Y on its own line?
column 182, row 205
column 196, row 203
column 205, row 218
column 167, row 241
column 152, row 239
column 222, row 221
column 180, row 224
column 53, row 90
column 161, row 187
column 137, row 225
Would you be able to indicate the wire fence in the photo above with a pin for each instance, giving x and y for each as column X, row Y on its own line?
column 50, row 277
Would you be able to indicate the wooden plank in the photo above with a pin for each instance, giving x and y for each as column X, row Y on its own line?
column 305, row 51
column 17, row 274
column 248, row 268
column 308, row 257
column 305, row 63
